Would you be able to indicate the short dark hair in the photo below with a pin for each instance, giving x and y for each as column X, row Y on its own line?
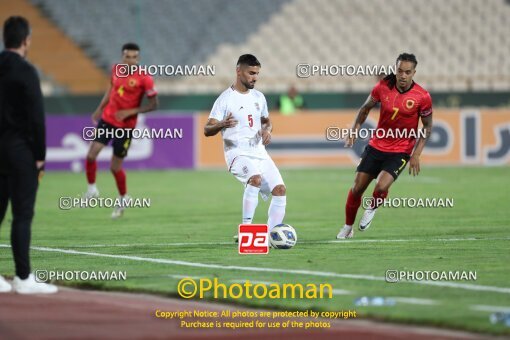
column 16, row 30
column 248, row 60
column 130, row 46
column 407, row 57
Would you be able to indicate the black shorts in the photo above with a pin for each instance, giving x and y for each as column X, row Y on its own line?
column 374, row 161
column 121, row 139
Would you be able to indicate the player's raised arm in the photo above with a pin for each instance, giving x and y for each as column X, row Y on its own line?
column 360, row 119
column 414, row 162
column 151, row 105
column 266, row 130
column 213, row 126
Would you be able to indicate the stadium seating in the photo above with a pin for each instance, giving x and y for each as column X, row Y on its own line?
column 460, row 44
column 63, row 64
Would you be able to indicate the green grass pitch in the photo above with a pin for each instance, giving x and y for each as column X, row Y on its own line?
column 201, row 211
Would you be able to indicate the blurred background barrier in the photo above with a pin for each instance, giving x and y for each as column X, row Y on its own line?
column 68, row 142
column 459, row 137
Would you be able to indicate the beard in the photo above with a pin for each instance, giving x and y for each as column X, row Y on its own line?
column 248, row 85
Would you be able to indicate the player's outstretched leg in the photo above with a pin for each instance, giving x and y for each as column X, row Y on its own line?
column 384, row 182
column 361, row 182
column 91, row 169
column 351, row 207
column 276, row 211
column 120, row 180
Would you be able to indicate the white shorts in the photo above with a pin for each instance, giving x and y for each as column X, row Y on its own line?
column 244, row 167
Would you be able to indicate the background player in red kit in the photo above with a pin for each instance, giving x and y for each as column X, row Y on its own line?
column 403, row 103
column 119, row 109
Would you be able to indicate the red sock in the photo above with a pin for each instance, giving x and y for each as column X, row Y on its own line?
column 91, row 167
column 379, row 197
column 351, row 207
column 120, row 179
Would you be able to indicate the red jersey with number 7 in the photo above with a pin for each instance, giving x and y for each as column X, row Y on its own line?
column 127, row 93
column 400, row 112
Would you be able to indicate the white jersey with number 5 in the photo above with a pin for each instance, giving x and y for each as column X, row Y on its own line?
column 244, row 138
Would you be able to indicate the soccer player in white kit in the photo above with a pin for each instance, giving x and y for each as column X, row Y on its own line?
column 241, row 114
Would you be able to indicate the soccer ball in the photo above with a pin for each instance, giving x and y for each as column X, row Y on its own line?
column 283, row 236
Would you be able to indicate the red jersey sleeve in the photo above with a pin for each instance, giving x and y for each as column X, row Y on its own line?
column 114, row 67
column 149, row 89
column 375, row 94
column 426, row 105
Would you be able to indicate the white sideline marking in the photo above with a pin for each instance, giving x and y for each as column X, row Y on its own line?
column 485, row 308
column 414, row 240
column 415, row 301
column 185, row 277
column 179, row 244
column 504, row 290
column 206, row 265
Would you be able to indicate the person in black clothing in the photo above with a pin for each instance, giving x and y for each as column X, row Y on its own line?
column 22, row 149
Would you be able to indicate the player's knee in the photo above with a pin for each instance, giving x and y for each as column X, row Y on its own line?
column 379, row 188
column 255, row 181
column 279, row 190
column 115, row 168
column 22, row 217
column 357, row 189
column 92, row 153
column 91, row 156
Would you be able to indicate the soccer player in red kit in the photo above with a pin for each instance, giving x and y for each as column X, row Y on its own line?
column 119, row 109
column 403, row 104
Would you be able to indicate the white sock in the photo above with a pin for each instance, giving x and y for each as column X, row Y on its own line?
column 125, row 200
column 250, row 202
column 92, row 187
column 276, row 211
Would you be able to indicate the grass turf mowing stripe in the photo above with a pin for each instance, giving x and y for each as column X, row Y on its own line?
column 465, row 286
column 184, row 244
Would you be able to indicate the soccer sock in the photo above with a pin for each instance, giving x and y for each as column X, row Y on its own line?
column 378, row 198
column 91, row 168
column 276, row 211
column 120, row 179
column 250, row 202
column 351, row 207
